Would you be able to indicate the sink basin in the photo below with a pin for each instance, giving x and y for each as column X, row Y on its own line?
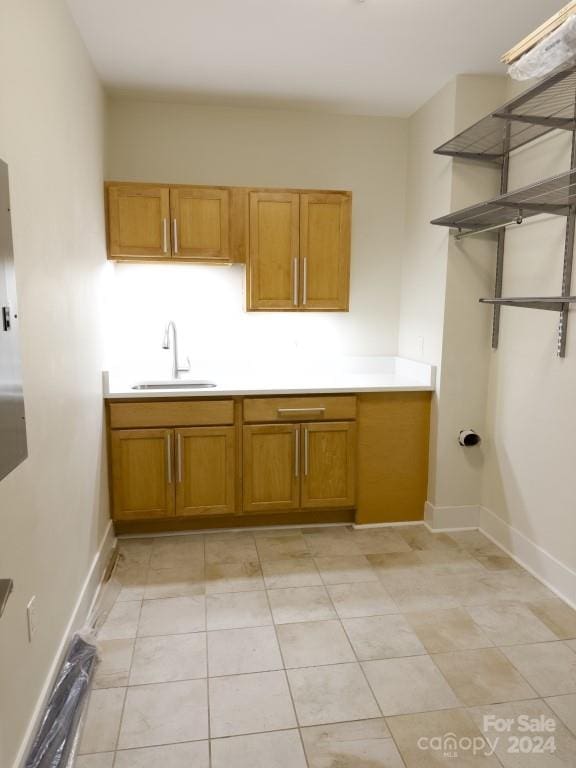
column 174, row 385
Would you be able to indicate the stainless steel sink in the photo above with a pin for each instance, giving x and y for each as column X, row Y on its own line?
column 174, row 385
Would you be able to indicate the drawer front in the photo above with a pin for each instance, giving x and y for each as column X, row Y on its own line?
column 171, row 414
column 313, row 408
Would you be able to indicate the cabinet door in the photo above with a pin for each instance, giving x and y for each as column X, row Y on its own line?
column 271, row 467
column 142, row 476
column 200, row 223
column 329, row 465
column 273, row 251
column 205, row 471
column 138, row 219
column 324, row 251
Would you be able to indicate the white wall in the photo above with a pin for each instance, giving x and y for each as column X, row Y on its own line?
column 53, row 507
column 424, row 263
column 467, row 324
column 440, row 319
column 519, row 482
column 183, row 143
column 528, row 483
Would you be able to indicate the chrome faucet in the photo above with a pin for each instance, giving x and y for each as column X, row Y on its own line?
column 176, row 370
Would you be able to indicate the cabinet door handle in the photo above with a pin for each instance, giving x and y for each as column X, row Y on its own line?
column 295, row 286
column 169, row 458
column 305, row 282
column 179, row 459
column 306, row 451
column 292, row 411
column 296, row 452
column 175, row 234
column 165, row 235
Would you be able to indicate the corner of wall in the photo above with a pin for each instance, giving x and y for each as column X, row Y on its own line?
column 79, row 621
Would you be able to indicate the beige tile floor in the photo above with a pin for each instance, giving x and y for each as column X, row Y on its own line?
column 328, row 648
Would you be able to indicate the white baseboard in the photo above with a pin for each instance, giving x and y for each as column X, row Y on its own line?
column 362, row 527
column 80, row 613
column 451, row 518
column 541, row 564
column 242, row 529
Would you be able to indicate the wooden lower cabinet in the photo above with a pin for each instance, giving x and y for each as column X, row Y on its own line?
column 271, row 467
column 299, row 466
column 329, row 465
column 194, row 463
column 142, row 473
column 393, row 436
column 158, row 473
column 205, row 471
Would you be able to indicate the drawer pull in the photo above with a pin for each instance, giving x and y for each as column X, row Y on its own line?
column 164, row 235
column 175, row 236
column 292, row 411
column 169, row 458
column 296, row 452
column 179, row 460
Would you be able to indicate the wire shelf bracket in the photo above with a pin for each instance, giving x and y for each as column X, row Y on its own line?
column 550, row 105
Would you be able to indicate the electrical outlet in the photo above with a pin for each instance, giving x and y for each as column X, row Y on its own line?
column 420, row 345
column 32, row 618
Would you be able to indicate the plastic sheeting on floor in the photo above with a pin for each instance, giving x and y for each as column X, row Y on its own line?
column 55, row 739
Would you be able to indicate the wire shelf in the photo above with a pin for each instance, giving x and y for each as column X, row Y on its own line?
column 554, row 195
column 551, row 303
column 547, row 106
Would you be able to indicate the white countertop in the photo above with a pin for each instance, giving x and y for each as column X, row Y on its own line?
column 367, row 374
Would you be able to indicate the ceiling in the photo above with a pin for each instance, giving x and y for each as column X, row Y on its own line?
column 372, row 57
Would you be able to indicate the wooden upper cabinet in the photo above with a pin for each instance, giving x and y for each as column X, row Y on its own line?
column 163, row 223
column 142, row 476
column 200, row 223
column 138, row 221
column 273, row 252
column 299, row 251
column 329, row 465
column 324, row 251
column 271, row 467
column 205, row 471
column 296, row 243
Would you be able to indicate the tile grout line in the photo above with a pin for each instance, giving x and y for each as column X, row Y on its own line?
column 207, row 657
column 366, row 679
column 374, row 696
column 147, row 566
column 325, row 584
column 518, row 672
column 358, row 662
column 136, row 638
column 326, row 588
column 333, row 664
column 286, row 678
column 127, row 687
